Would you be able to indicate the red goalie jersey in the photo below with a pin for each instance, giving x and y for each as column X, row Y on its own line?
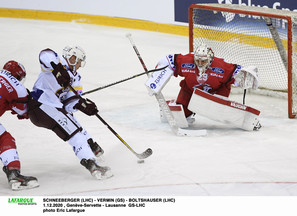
column 217, row 79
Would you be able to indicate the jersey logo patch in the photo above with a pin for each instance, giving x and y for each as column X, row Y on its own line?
column 218, row 70
column 188, row 65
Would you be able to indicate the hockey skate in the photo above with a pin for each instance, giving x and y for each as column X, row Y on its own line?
column 97, row 171
column 18, row 181
column 191, row 119
column 96, row 149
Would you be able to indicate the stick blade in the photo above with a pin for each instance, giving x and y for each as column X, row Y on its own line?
column 145, row 154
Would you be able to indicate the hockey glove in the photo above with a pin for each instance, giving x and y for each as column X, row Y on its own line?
column 25, row 116
column 86, row 106
column 247, row 77
column 61, row 74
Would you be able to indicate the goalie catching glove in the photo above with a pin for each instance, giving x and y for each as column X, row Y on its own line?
column 86, row 106
column 247, row 77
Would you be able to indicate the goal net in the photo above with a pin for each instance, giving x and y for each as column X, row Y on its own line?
column 245, row 35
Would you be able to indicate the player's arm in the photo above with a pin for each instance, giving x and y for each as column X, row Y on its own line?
column 74, row 103
column 70, row 99
column 225, row 88
column 50, row 63
column 19, row 105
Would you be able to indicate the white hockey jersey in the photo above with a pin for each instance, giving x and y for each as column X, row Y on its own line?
column 46, row 89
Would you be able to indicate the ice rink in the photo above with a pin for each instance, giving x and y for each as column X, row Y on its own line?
column 226, row 162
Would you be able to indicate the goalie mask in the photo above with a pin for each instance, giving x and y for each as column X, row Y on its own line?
column 78, row 52
column 203, row 57
column 16, row 69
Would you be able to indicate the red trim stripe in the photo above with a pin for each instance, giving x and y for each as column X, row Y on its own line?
column 226, row 102
column 174, row 107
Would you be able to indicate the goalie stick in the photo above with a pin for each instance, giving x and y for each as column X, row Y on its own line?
column 137, row 75
column 148, row 152
column 162, row 103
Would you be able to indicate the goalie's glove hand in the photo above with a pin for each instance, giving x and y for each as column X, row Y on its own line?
column 86, row 106
column 247, row 77
column 61, row 74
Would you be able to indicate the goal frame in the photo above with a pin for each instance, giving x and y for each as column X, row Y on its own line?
column 224, row 8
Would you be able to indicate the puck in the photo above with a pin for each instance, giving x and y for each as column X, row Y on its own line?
column 140, row 161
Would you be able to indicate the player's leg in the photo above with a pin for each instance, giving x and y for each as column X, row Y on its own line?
column 12, row 166
column 183, row 98
column 67, row 128
column 97, row 150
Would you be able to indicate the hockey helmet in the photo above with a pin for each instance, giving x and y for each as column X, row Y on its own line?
column 16, row 69
column 76, row 51
column 203, row 56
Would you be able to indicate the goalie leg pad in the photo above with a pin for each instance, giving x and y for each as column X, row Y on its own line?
column 177, row 112
column 224, row 110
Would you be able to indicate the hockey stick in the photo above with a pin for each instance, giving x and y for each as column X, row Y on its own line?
column 277, row 40
column 148, row 152
column 132, row 77
column 244, row 94
column 162, row 103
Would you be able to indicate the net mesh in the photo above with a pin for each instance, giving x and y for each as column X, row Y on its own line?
column 246, row 39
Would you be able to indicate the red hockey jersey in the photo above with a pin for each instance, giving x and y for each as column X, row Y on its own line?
column 217, row 79
column 12, row 94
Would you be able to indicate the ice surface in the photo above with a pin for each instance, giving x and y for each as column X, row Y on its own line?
column 228, row 161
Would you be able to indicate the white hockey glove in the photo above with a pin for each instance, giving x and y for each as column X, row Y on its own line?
column 247, row 77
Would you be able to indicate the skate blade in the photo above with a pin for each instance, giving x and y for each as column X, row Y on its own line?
column 16, row 185
column 98, row 175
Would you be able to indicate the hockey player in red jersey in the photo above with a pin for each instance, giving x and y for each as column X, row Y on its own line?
column 211, row 74
column 13, row 97
column 201, row 70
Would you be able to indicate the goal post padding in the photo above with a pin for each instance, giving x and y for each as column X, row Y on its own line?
column 246, row 35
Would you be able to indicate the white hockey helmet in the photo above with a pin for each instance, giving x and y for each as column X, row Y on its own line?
column 76, row 51
column 203, row 56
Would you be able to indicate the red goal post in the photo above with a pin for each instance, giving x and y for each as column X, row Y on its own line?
column 246, row 35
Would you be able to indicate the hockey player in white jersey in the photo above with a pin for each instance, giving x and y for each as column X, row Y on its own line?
column 53, row 103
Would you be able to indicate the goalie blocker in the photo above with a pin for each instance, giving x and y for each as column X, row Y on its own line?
column 224, row 110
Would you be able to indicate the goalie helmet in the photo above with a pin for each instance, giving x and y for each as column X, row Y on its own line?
column 16, row 69
column 203, row 56
column 76, row 51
